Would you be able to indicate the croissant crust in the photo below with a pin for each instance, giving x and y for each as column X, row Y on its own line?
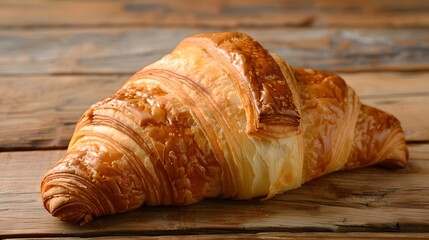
column 219, row 117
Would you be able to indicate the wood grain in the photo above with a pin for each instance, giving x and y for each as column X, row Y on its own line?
column 126, row 50
column 238, row 13
column 270, row 235
column 42, row 110
column 59, row 57
column 42, row 115
column 371, row 199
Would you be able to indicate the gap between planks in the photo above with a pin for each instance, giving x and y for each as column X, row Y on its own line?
column 265, row 235
column 238, row 13
column 247, row 236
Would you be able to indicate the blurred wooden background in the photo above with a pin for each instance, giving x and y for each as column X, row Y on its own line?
column 59, row 57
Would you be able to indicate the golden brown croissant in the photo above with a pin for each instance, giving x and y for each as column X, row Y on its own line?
column 219, row 117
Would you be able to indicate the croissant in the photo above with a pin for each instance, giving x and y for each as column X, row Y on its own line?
column 219, row 117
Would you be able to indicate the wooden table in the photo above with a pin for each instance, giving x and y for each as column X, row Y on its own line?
column 59, row 57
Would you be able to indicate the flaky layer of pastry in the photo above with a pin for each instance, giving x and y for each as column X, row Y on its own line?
column 339, row 132
column 251, row 165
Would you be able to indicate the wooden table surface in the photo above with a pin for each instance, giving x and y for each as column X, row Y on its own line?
column 59, row 57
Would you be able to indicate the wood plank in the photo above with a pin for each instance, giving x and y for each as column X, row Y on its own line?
column 40, row 13
column 42, row 110
column 42, row 115
column 383, row 13
column 371, row 199
column 383, row 84
column 373, row 19
column 269, row 235
column 126, row 50
column 237, row 13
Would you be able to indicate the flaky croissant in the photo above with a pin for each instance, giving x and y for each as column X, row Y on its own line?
column 219, row 117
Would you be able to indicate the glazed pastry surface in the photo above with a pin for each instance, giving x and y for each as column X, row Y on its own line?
column 219, row 117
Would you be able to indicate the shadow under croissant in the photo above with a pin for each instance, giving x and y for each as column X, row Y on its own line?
column 80, row 207
column 306, row 202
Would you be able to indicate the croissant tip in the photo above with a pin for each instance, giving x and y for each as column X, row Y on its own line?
column 398, row 158
column 60, row 204
column 86, row 219
column 68, row 211
column 393, row 164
